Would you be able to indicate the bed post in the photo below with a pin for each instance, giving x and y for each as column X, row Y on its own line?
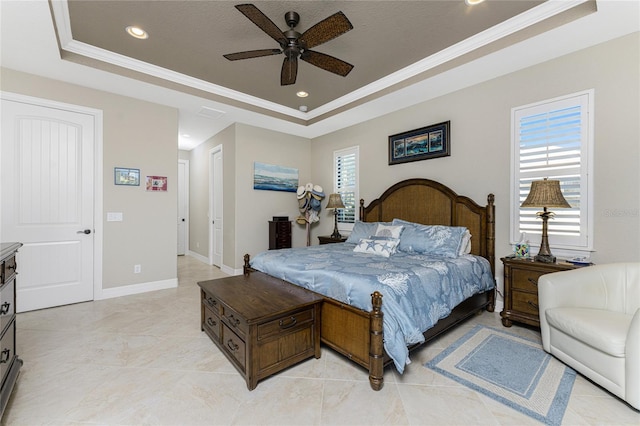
column 491, row 245
column 246, row 268
column 376, row 347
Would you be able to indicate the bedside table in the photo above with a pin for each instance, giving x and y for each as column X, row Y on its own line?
column 326, row 239
column 521, row 288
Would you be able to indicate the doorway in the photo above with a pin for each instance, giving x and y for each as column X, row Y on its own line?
column 215, row 206
column 49, row 181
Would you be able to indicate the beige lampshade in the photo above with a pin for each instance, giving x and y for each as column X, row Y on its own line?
column 335, row 202
column 545, row 193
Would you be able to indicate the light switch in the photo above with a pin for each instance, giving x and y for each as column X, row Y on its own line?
column 114, row 216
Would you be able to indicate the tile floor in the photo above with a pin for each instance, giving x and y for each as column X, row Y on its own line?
column 142, row 360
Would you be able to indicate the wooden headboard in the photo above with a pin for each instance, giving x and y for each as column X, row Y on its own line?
column 431, row 203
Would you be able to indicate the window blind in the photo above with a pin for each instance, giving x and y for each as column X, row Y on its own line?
column 346, row 183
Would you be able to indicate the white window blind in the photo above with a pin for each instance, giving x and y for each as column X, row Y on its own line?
column 552, row 139
column 346, row 184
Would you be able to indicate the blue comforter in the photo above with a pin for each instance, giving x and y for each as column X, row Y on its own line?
column 417, row 290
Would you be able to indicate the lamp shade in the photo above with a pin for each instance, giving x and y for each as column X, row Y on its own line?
column 335, row 202
column 545, row 193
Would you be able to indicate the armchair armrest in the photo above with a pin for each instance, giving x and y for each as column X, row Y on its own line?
column 632, row 359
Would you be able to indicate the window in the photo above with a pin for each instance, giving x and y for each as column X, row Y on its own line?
column 345, row 174
column 554, row 139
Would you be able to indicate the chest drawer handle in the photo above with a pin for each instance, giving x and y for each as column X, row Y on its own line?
column 211, row 302
column 233, row 320
column 533, row 281
column 535, row 305
column 4, row 356
column 291, row 323
column 232, row 346
column 4, row 309
column 211, row 322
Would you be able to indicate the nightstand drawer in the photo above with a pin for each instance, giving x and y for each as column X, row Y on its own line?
column 525, row 302
column 526, row 280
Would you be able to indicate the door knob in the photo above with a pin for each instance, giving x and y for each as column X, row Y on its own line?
column 86, row 231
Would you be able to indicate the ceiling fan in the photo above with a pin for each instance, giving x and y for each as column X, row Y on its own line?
column 295, row 45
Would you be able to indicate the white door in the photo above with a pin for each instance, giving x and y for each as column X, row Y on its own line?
column 215, row 184
column 47, row 202
column 183, row 206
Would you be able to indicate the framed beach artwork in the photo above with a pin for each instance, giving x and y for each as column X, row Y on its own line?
column 420, row 144
column 274, row 178
column 126, row 176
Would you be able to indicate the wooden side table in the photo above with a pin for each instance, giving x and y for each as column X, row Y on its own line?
column 521, row 288
column 327, row 239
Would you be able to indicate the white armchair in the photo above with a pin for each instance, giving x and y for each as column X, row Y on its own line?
column 590, row 320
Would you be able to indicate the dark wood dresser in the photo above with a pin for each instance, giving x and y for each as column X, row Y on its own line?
column 279, row 234
column 262, row 324
column 521, row 288
column 9, row 362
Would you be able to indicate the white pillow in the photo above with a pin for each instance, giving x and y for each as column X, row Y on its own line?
column 381, row 247
column 390, row 231
column 465, row 246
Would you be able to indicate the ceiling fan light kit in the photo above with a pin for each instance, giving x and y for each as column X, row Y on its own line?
column 296, row 46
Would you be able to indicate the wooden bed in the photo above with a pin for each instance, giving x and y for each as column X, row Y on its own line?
column 358, row 334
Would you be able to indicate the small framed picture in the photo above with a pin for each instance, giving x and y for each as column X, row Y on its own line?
column 157, row 183
column 126, row 176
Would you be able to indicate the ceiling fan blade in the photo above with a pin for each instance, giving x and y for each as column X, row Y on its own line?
column 327, row 62
column 252, row 54
column 289, row 71
column 262, row 21
column 325, row 30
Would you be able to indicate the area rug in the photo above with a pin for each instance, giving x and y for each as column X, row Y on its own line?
column 510, row 369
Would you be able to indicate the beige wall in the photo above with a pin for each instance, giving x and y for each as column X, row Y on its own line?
column 480, row 142
column 246, row 211
column 136, row 134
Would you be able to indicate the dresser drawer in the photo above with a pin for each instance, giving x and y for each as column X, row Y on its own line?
column 8, row 269
column 284, row 324
column 234, row 321
column 526, row 280
column 7, row 305
column 525, row 302
column 234, row 345
column 7, row 350
column 212, row 323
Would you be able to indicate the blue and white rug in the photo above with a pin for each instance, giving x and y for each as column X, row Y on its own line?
column 510, row 369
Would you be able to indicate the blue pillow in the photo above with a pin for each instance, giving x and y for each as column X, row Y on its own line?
column 437, row 240
column 363, row 230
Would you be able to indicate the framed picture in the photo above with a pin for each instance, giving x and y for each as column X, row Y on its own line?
column 123, row 176
column 157, row 183
column 274, row 178
column 420, row 144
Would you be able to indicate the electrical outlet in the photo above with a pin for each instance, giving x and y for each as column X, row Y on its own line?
column 137, row 269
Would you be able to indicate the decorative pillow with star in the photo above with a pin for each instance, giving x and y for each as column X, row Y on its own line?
column 378, row 246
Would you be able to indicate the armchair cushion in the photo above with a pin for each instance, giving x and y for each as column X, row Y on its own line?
column 603, row 330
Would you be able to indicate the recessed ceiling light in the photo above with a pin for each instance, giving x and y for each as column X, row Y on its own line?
column 473, row 2
column 303, row 108
column 137, row 32
column 302, row 94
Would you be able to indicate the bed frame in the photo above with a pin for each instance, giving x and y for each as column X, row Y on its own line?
column 358, row 334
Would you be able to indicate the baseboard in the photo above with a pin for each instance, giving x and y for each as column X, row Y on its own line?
column 198, row 256
column 128, row 290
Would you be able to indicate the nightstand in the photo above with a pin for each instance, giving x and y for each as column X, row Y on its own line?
column 327, row 239
column 521, row 288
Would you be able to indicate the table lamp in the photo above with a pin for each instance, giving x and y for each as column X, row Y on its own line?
column 335, row 203
column 545, row 193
